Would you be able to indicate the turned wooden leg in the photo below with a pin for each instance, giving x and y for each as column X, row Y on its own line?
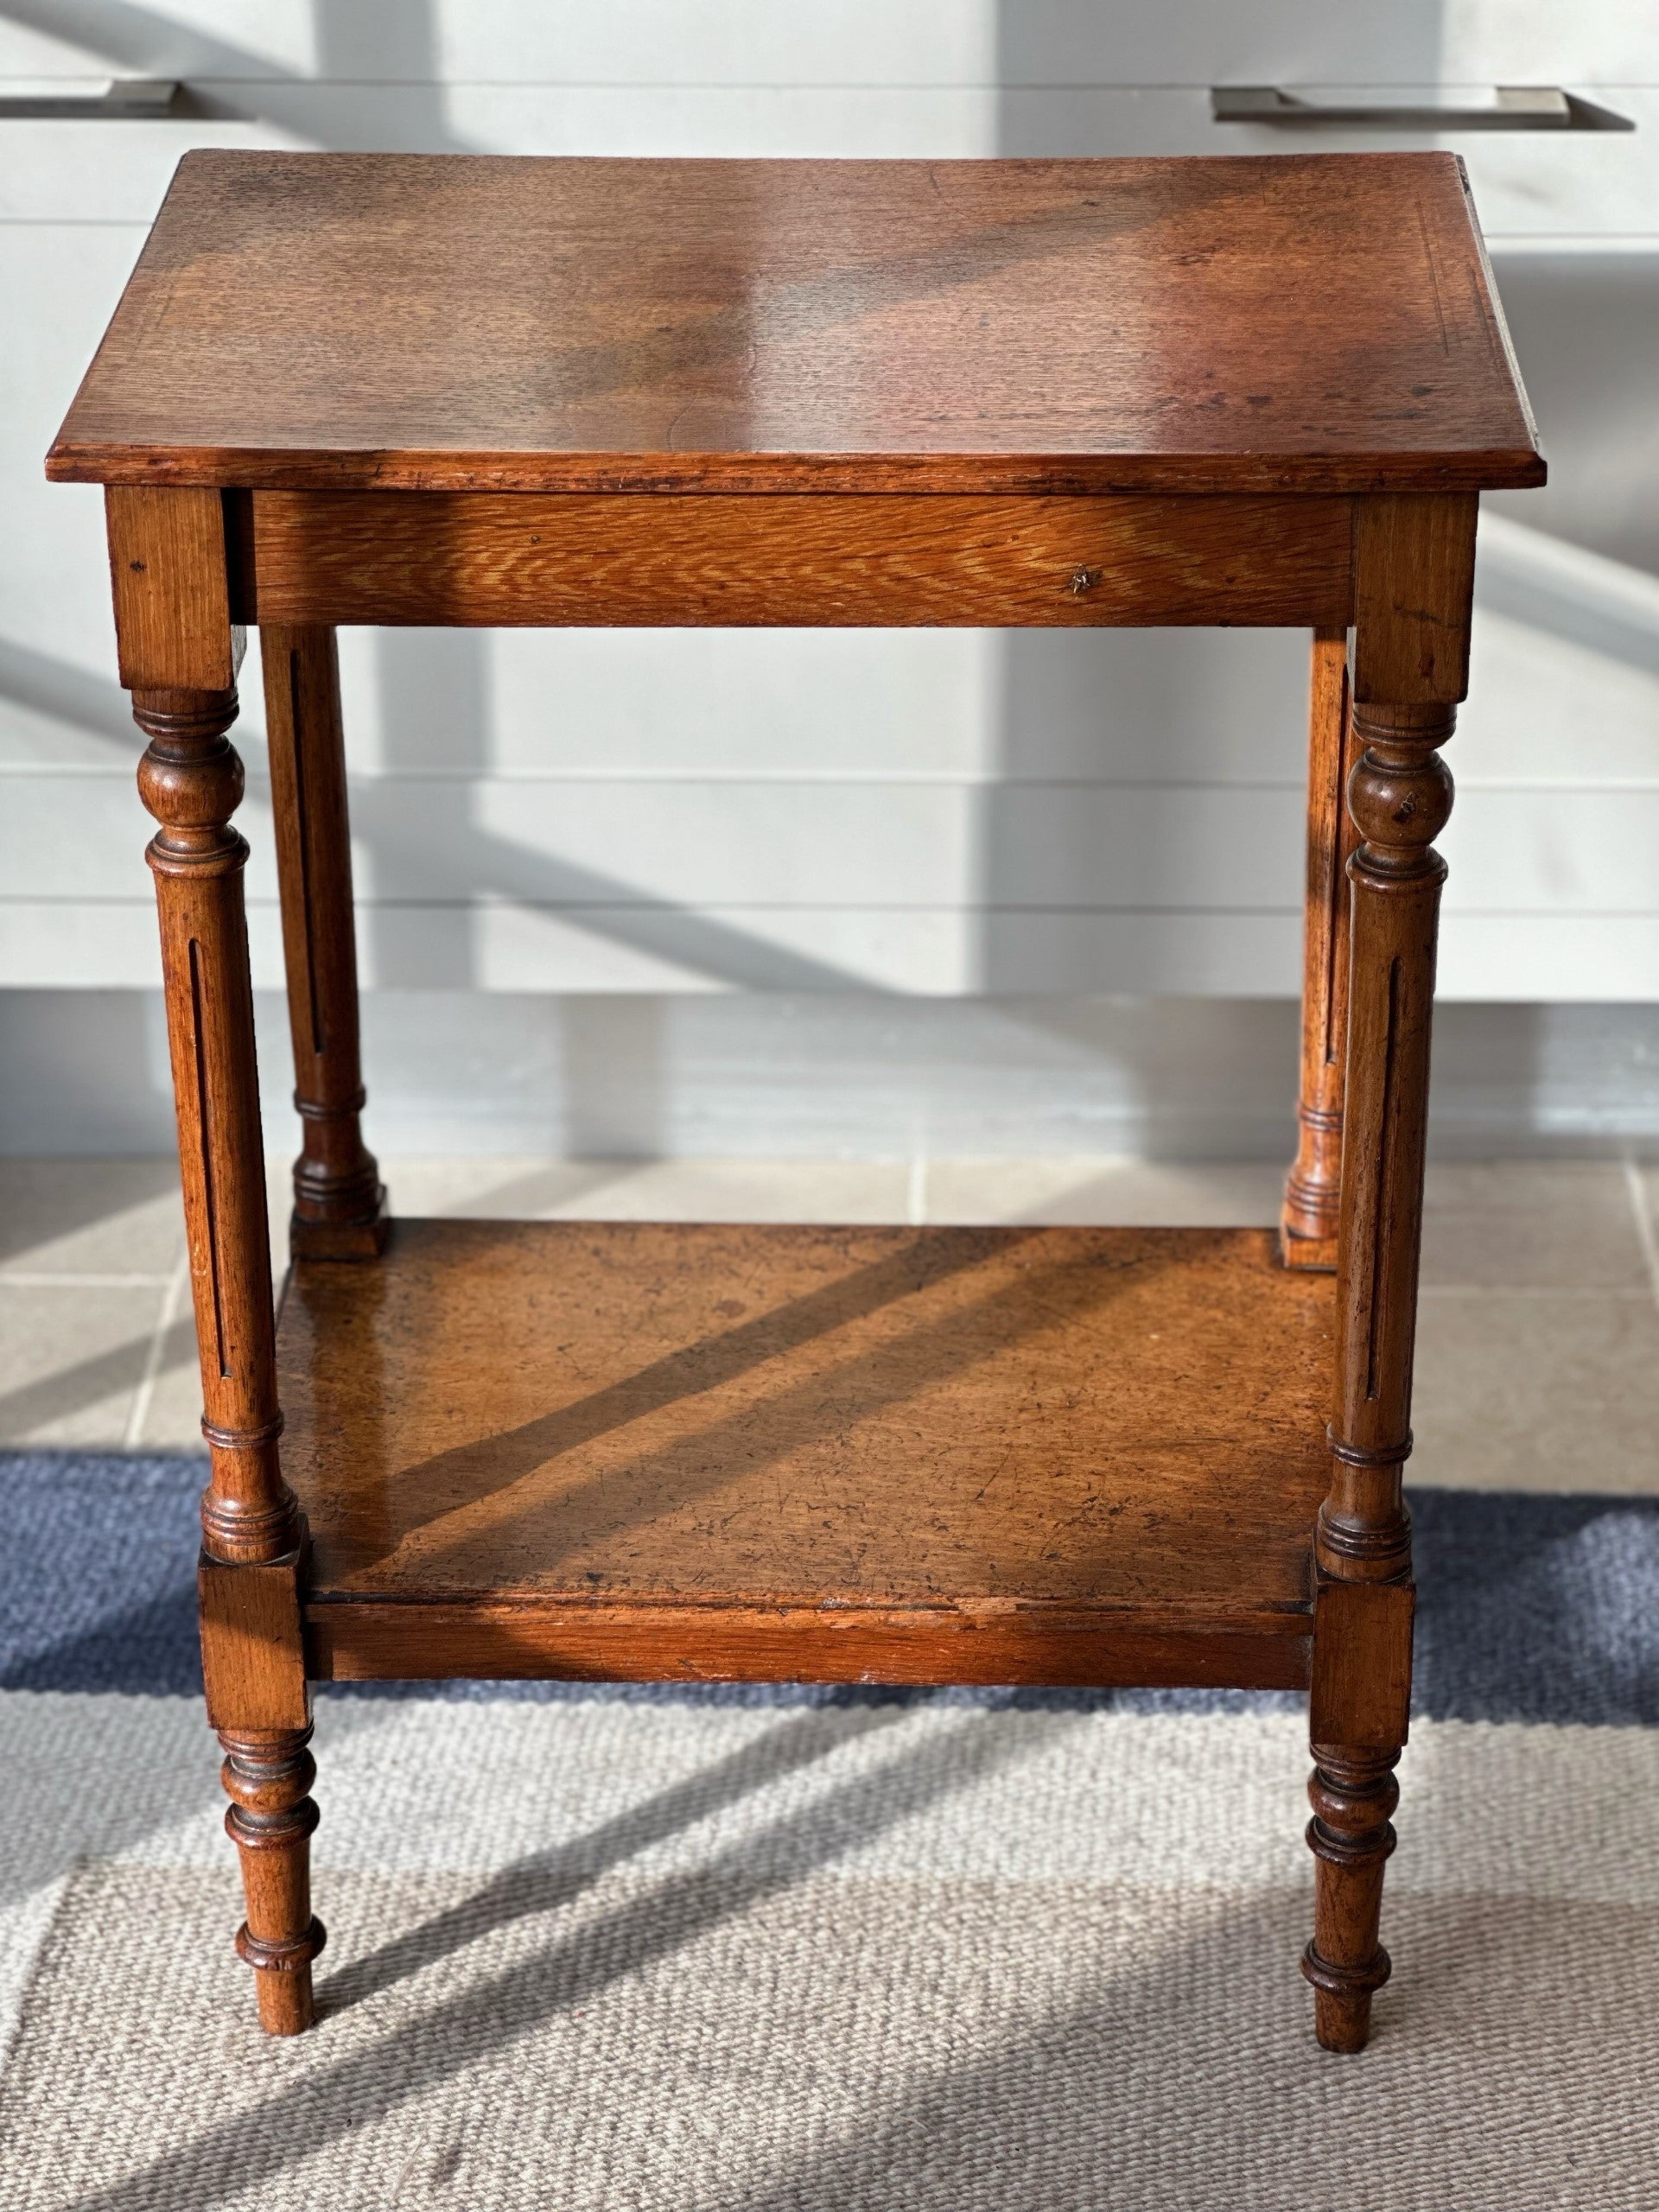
column 339, row 1208
column 1400, row 795
column 1414, row 581
column 179, row 655
column 1308, row 1223
column 252, row 1533
column 268, row 1779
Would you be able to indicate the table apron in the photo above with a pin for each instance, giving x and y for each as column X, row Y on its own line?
column 1052, row 1646
column 514, row 559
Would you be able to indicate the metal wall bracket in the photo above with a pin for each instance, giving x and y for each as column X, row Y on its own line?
column 121, row 99
column 1511, row 107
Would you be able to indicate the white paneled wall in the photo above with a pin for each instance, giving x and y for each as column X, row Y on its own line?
column 925, row 44
column 940, row 813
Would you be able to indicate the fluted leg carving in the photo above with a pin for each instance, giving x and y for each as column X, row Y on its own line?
column 268, row 1779
column 190, row 778
column 1401, row 797
column 252, row 1531
column 339, row 1204
column 1400, row 794
column 1308, row 1223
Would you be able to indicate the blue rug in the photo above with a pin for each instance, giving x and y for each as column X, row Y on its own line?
column 1532, row 1609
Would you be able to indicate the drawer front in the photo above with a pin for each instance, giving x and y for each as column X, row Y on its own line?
column 502, row 560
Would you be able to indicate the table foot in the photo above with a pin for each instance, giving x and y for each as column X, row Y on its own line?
column 1351, row 1835
column 268, row 1778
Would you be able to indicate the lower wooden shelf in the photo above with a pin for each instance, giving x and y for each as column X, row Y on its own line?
column 639, row 1452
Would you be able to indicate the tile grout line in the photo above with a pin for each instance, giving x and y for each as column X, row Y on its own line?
column 1644, row 1232
column 18, row 1280
column 144, row 1395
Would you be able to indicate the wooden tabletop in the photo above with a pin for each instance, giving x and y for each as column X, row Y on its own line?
column 1306, row 322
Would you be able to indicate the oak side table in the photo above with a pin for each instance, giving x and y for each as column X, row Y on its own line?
column 379, row 388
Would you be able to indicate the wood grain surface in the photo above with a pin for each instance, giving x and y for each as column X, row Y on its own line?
column 503, row 559
column 1277, row 322
column 168, row 579
column 682, row 1420
column 1414, row 591
column 1046, row 1646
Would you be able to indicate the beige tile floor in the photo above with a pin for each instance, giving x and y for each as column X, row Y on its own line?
column 1538, row 1348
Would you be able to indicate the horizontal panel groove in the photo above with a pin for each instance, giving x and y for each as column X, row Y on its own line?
column 209, row 81
column 120, row 771
column 484, row 902
column 382, row 777
column 696, row 952
column 693, row 910
column 286, row 90
column 806, row 558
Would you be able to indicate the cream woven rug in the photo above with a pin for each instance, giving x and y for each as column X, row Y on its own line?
column 612, row 1952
